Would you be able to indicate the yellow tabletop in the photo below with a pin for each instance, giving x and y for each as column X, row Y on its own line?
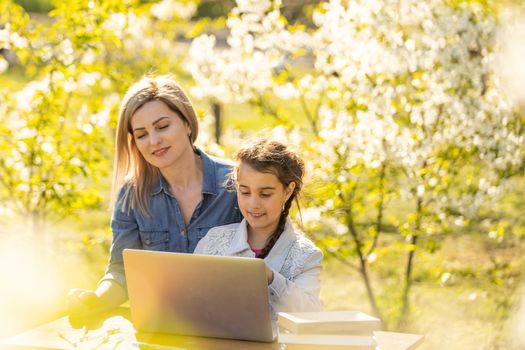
column 114, row 330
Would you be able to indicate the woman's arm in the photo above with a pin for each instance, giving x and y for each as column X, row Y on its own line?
column 111, row 290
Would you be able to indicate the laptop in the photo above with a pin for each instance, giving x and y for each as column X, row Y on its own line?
column 199, row 295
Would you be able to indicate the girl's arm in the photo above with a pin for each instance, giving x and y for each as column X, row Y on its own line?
column 300, row 292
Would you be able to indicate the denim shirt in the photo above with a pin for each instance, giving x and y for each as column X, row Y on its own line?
column 165, row 229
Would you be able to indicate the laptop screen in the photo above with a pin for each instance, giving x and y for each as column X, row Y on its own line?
column 198, row 295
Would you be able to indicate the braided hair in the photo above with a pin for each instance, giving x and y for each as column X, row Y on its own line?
column 273, row 157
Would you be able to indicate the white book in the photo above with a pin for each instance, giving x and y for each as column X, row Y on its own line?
column 398, row 341
column 329, row 342
column 329, row 322
column 379, row 341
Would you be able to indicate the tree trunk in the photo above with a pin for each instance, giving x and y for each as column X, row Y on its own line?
column 369, row 291
column 405, row 306
column 38, row 233
column 363, row 269
column 217, row 113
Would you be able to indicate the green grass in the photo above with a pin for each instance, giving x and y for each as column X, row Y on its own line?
column 242, row 117
column 469, row 311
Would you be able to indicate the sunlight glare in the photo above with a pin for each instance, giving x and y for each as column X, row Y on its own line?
column 31, row 290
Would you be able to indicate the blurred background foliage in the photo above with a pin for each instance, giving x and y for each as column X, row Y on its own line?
column 413, row 143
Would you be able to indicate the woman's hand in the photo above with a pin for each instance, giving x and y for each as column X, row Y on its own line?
column 83, row 302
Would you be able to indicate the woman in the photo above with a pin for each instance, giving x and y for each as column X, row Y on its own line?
column 168, row 193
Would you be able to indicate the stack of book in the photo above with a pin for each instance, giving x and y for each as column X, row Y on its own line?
column 352, row 330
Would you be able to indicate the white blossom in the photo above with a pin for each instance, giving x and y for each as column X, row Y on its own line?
column 509, row 57
column 47, row 147
column 258, row 45
column 399, row 83
column 167, row 10
column 65, row 52
column 4, row 65
column 10, row 39
column 100, row 119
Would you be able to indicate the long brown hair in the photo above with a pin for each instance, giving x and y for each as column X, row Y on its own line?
column 129, row 164
column 273, row 157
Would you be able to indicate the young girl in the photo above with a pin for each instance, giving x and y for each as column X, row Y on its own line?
column 268, row 177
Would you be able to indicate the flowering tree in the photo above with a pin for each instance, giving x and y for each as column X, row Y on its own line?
column 394, row 104
column 406, row 126
column 56, row 132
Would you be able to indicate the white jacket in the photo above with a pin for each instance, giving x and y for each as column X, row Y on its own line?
column 294, row 259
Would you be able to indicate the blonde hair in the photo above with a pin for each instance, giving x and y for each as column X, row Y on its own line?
column 130, row 167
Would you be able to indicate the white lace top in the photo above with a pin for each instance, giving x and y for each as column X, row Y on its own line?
column 294, row 259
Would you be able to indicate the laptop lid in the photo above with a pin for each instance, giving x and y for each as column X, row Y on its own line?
column 198, row 295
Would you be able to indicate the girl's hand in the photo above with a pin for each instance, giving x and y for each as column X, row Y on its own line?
column 269, row 275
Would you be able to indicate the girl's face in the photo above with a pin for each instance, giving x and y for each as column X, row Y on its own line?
column 261, row 198
column 160, row 134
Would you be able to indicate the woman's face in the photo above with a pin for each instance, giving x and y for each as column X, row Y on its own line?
column 160, row 134
column 261, row 198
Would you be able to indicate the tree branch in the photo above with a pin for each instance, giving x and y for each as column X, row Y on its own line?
column 380, row 208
